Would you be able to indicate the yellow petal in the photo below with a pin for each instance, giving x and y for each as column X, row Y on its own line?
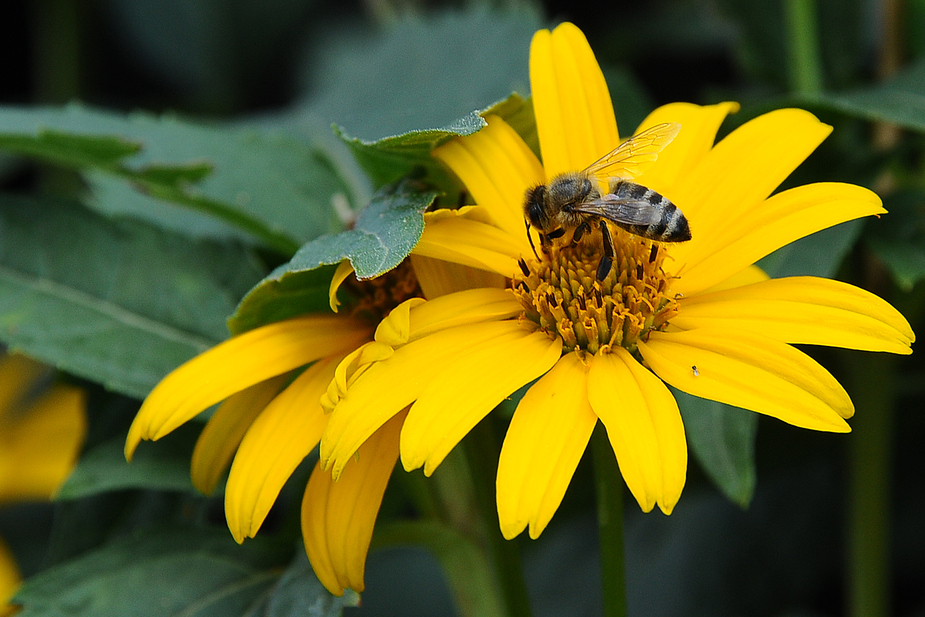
column 349, row 370
column 461, row 308
column 644, row 428
column 473, row 243
column 804, row 309
column 480, row 214
column 821, row 197
column 388, row 386
column 750, row 371
column 497, row 167
column 38, row 448
column 468, row 387
column 733, row 179
column 224, row 431
column 548, row 434
column 315, row 532
column 10, row 579
column 746, row 276
column 395, row 329
column 338, row 517
column 344, row 269
column 439, row 278
column 275, row 444
column 574, row 113
column 239, row 363
column 747, row 165
column 699, row 125
column 783, row 218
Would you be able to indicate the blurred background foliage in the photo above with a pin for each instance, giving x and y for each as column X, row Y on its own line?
column 226, row 85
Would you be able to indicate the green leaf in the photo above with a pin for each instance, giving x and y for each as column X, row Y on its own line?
column 103, row 468
column 274, row 188
column 119, row 303
column 384, row 234
column 900, row 101
column 298, row 584
column 819, row 254
column 464, row 563
column 391, row 158
column 419, row 73
column 902, row 246
column 72, row 150
column 114, row 197
column 722, row 438
column 196, row 573
column 283, row 295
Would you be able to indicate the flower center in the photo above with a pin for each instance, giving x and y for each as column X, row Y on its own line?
column 561, row 293
column 373, row 299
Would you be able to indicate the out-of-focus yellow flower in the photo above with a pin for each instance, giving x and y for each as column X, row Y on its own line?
column 41, row 433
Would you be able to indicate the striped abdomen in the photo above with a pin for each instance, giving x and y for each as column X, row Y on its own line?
column 666, row 222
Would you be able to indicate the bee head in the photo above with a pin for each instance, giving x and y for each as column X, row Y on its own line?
column 535, row 207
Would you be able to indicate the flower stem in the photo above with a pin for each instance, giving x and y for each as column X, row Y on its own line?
column 609, row 486
column 869, row 493
column 482, row 450
column 58, row 50
column 805, row 65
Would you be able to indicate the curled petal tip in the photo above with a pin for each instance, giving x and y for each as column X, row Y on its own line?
column 131, row 442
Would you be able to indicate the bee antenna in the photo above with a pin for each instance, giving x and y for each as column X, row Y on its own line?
column 530, row 238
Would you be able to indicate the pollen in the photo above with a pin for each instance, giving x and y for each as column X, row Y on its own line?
column 562, row 295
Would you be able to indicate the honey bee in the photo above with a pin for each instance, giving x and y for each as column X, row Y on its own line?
column 573, row 200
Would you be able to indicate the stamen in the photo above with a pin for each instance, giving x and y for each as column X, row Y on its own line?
column 523, row 266
column 563, row 294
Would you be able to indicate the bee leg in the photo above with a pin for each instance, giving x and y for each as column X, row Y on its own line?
column 545, row 243
column 603, row 268
column 579, row 232
column 546, row 239
column 530, row 238
column 555, row 233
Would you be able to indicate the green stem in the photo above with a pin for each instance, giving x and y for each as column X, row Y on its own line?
column 468, row 569
column 57, row 50
column 869, row 494
column 804, row 64
column 482, row 451
column 609, row 486
column 419, row 491
column 57, row 73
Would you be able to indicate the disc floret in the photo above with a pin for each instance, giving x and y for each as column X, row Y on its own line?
column 372, row 299
column 562, row 295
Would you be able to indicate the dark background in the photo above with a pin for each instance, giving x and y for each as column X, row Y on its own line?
column 244, row 60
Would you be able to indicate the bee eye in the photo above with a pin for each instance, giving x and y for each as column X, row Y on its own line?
column 534, row 205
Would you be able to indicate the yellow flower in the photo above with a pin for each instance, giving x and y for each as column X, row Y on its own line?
column 40, row 438
column 696, row 315
column 271, row 419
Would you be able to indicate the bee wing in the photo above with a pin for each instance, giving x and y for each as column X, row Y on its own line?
column 627, row 159
column 620, row 210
